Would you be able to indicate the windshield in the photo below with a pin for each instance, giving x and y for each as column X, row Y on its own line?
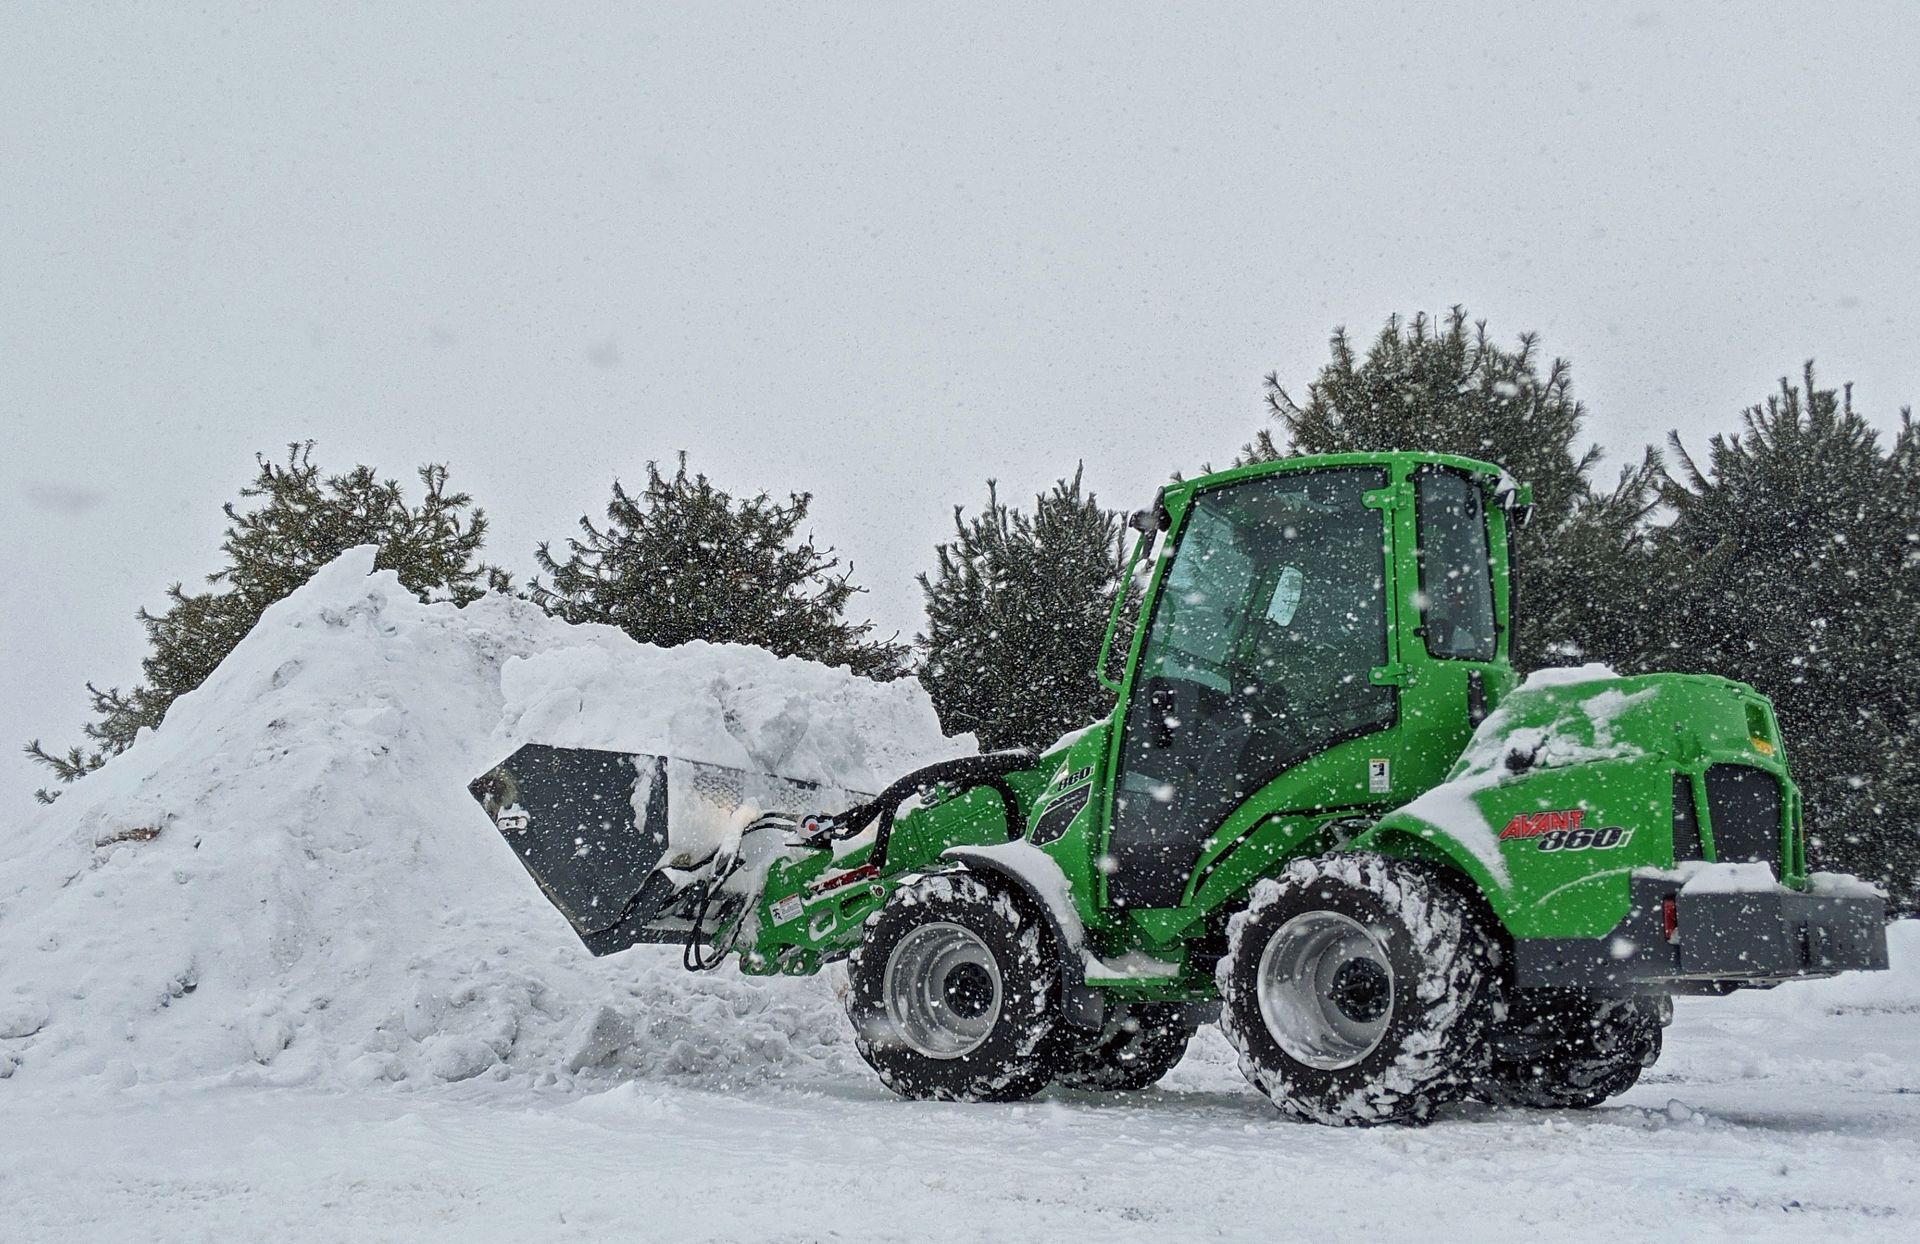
column 1278, row 589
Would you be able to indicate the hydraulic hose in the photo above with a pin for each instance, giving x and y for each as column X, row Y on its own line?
column 966, row 772
column 990, row 771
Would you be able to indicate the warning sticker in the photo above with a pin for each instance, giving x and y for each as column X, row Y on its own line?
column 850, row 877
column 1379, row 776
column 786, row 909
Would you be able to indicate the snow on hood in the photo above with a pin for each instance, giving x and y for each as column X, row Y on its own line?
column 289, row 881
column 1568, row 675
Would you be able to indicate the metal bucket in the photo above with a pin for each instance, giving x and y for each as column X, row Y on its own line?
column 614, row 839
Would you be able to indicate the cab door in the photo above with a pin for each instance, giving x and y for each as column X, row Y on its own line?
column 1461, row 671
column 1265, row 632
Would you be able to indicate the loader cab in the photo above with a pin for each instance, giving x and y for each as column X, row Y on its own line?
column 1317, row 629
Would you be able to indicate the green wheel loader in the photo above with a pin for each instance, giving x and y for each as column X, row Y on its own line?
column 1324, row 812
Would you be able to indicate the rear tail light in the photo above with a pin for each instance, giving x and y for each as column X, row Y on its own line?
column 1670, row 918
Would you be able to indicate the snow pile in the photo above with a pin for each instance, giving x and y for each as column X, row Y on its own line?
column 736, row 706
column 290, row 882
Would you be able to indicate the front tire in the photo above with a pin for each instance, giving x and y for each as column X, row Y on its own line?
column 951, row 991
column 1567, row 1050
column 1357, row 989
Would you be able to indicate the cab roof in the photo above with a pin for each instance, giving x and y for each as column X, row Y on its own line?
column 1398, row 462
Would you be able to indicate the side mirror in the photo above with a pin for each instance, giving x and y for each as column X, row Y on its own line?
column 1153, row 518
column 1515, row 500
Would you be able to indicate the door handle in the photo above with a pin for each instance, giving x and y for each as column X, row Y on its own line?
column 1160, row 707
column 1476, row 698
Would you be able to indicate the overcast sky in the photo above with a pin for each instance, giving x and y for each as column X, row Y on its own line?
column 881, row 253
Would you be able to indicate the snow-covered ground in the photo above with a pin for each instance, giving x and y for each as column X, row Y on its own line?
column 1792, row 1115
column 273, row 975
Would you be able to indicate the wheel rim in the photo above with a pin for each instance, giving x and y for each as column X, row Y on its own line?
column 942, row 990
column 1325, row 987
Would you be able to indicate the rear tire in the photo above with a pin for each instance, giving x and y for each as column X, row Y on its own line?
column 1357, row 990
column 951, row 992
column 1139, row 1044
column 1563, row 1049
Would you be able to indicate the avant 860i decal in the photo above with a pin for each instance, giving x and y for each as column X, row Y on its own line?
column 1562, row 831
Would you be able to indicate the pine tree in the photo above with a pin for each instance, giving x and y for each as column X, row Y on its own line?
column 300, row 521
column 684, row 561
column 1016, row 611
column 1448, row 388
column 1895, row 806
column 304, row 520
column 1793, row 563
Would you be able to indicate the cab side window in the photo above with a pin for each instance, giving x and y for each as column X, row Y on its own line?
column 1456, row 577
